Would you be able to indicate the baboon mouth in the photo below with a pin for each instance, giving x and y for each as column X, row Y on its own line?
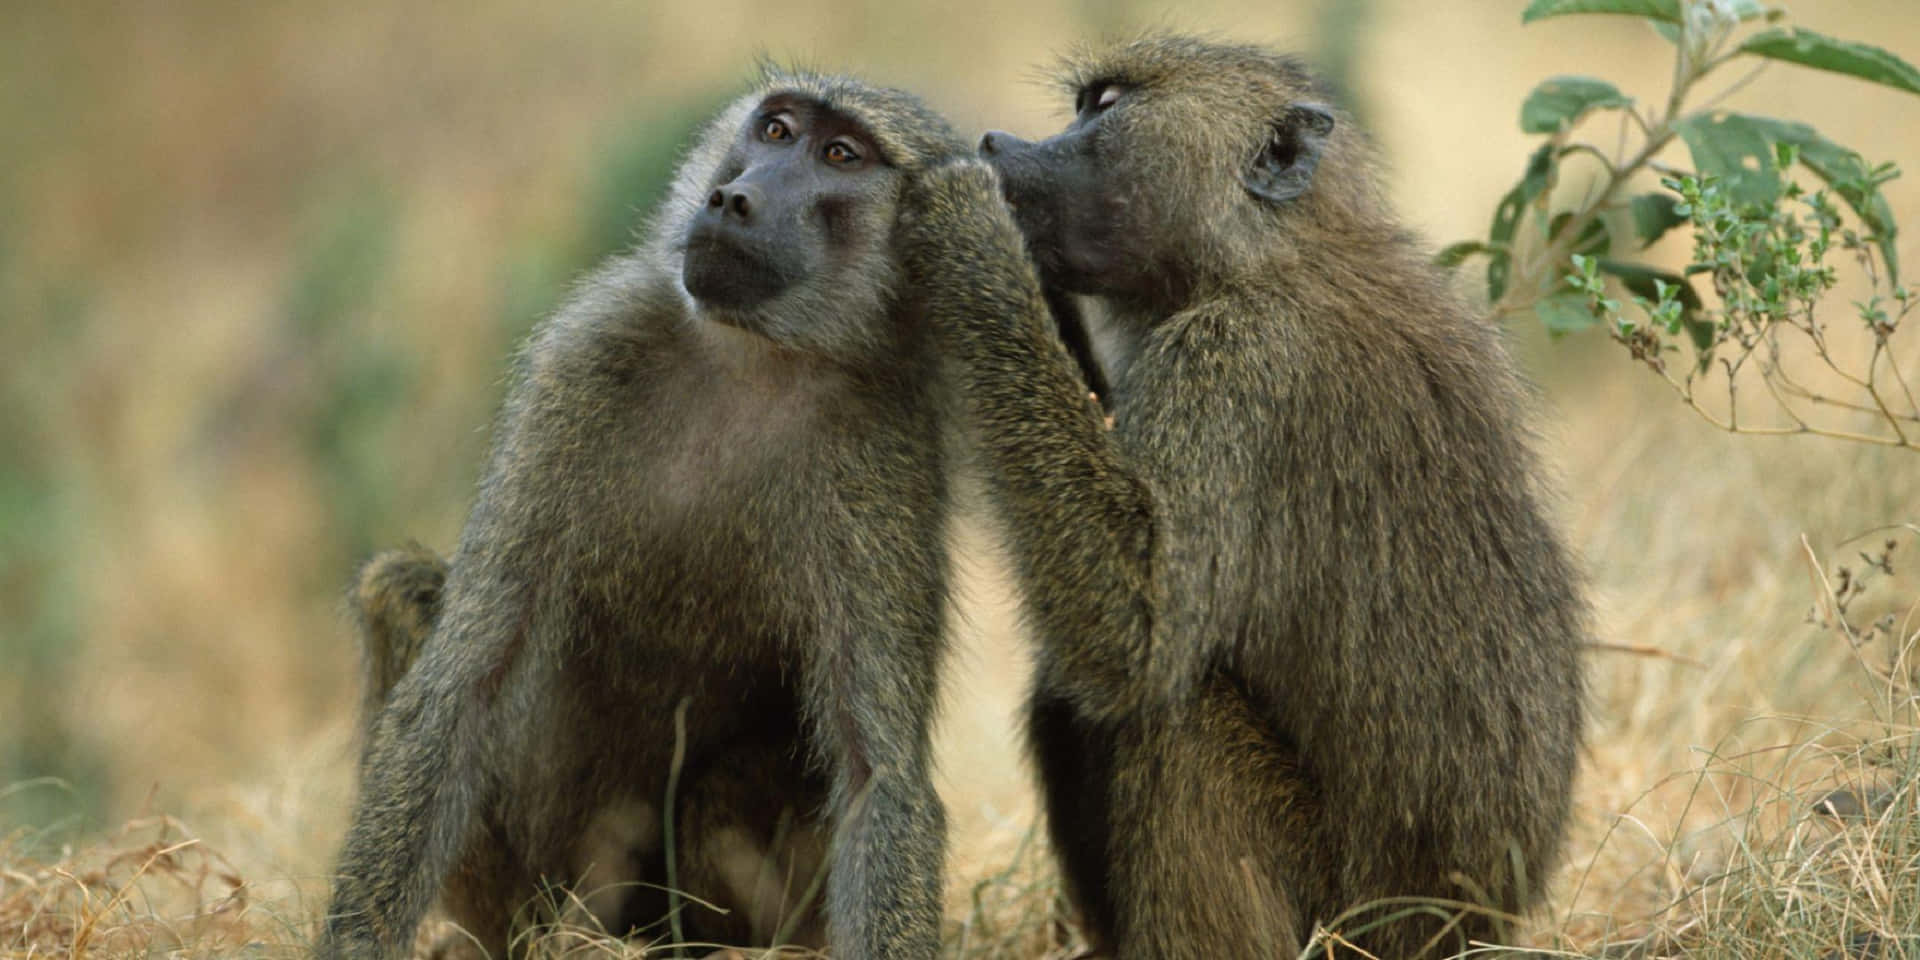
column 720, row 273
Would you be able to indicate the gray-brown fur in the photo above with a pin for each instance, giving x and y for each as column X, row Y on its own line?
column 395, row 600
column 1306, row 636
column 739, row 509
column 747, row 835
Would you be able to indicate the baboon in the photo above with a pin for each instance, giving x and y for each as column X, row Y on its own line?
column 1307, row 638
column 716, row 493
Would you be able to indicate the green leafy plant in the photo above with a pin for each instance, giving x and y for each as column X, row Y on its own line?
column 1772, row 206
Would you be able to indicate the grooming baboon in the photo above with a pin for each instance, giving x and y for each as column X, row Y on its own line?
column 746, row 839
column 1307, row 638
column 717, row 485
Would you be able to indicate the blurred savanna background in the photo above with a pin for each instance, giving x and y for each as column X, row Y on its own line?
column 262, row 266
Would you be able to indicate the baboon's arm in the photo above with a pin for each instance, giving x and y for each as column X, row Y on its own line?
column 1080, row 523
column 423, row 775
column 1206, row 446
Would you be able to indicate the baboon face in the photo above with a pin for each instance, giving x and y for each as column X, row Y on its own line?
column 1070, row 196
column 1164, row 168
column 793, row 234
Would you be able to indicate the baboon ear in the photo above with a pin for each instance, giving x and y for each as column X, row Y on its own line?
column 1283, row 169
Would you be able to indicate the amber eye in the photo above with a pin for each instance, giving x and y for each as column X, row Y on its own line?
column 841, row 154
column 776, row 129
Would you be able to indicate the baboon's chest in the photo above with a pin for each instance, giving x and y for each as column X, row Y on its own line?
column 720, row 515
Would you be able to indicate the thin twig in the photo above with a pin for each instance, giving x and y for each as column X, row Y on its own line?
column 673, row 795
column 1736, row 87
column 1643, row 650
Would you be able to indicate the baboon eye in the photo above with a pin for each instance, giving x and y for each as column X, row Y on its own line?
column 1097, row 97
column 840, row 153
column 776, row 129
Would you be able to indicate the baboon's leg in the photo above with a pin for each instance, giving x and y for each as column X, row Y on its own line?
column 1208, row 778
column 873, row 679
column 1075, row 760
column 422, row 792
column 396, row 598
column 481, row 896
column 752, row 839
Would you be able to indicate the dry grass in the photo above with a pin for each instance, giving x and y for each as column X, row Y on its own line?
column 260, row 265
column 150, row 887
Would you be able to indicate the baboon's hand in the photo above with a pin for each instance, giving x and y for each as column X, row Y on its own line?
column 947, row 193
column 962, row 249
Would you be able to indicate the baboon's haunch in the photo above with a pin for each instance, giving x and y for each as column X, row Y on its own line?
column 1307, row 637
column 717, row 482
column 395, row 601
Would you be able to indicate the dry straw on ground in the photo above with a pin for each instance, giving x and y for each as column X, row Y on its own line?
column 151, row 888
column 1806, row 845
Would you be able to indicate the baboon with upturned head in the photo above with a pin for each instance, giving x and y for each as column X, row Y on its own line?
column 717, row 493
column 1306, row 637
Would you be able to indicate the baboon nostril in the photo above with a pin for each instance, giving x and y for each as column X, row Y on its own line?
column 740, row 205
column 989, row 144
column 716, row 198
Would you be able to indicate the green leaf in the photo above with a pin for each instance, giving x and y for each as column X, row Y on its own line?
column 1455, row 254
column 1568, row 311
column 1559, row 102
column 1740, row 149
column 1736, row 149
column 1506, row 217
column 1668, row 10
column 1594, row 238
column 1645, row 281
column 1847, row 173
column 1822, row 52
column 1653, row 215
column 1639, row 279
